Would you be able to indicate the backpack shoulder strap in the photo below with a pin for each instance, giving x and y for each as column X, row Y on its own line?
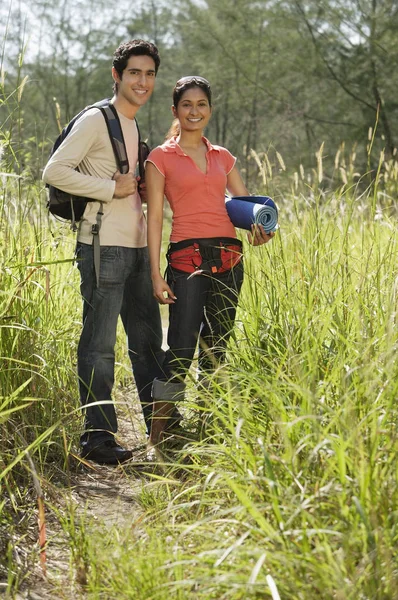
column 139, row 133
column 115, row 133
column 143, row 152
column 141, row 168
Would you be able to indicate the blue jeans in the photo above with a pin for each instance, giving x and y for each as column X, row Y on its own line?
column 125, row 289
column 205, row 308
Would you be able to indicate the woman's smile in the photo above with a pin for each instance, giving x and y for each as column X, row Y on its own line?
column 193, row 109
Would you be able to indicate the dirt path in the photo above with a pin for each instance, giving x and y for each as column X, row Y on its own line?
column 102, row 497
column 108, row 493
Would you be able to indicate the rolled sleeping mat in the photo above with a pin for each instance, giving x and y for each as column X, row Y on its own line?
column 246, row 210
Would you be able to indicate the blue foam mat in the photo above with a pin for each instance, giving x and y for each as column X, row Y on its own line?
column 246, row 210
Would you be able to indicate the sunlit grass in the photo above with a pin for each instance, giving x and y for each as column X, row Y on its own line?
column 294, row 486
column 292, row 490
column 295, row 480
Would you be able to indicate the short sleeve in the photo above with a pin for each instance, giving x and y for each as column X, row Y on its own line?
column 156, row 157
column 228, row 159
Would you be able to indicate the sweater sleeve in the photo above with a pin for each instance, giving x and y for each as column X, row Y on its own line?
column 74, row 152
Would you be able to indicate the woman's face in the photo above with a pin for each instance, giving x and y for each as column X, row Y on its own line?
column 193, row 110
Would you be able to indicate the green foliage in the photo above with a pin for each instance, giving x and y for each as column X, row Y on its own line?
column 292, row 489
column 287, row 75
column 293, row 484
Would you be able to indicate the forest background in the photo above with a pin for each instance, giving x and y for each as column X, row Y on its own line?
column 292, row 491
column 287, row 76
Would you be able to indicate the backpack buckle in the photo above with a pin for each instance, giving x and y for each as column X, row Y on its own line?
column 95, row 229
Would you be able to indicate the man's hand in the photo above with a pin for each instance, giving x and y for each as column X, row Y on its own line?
column 259, row 236
column 125, row 184
column 160, row 287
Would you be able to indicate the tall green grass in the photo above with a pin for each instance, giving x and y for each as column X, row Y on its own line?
column 37, row 380
column 292, row 490
column 293, row 493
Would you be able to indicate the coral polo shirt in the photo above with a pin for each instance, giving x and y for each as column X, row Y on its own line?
column 197, row 199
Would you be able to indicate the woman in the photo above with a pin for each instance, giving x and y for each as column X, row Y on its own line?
column 205, row 267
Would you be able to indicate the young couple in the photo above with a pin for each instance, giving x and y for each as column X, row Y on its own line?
column 205, row 270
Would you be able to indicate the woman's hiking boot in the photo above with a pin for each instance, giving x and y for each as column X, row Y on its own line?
column 165, row 395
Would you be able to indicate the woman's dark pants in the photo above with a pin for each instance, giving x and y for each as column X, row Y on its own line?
column 205, row 308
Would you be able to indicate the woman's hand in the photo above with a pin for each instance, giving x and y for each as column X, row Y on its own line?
column 160, row 288
column 258, row 235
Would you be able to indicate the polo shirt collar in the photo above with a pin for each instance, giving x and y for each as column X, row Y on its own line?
column 172, row 146
column 209, row 145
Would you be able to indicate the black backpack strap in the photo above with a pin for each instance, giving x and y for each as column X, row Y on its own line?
column 115, row 132
column 143, row 151
column 119, row 149
column 95, row 229
column 116, row 135
column 139, row 133
column 141, row 170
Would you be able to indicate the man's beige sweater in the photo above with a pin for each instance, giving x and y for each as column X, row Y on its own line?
column 88, row 147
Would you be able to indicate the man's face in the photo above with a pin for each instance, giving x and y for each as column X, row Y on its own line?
column 138, row 81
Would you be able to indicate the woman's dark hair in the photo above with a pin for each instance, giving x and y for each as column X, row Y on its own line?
column 133, row 48
column 182, row 85
column 185, row 83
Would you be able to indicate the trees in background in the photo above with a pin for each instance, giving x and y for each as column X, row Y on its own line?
column 355, row 43
column 60, row 49
column 287, row 75
column 296, row 73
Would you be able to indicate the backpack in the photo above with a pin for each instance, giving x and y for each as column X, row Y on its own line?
column 70, row 207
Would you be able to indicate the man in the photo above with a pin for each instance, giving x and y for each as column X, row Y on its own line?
column 124, row 286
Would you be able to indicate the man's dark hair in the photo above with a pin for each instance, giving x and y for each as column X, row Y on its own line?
column 133, row 48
